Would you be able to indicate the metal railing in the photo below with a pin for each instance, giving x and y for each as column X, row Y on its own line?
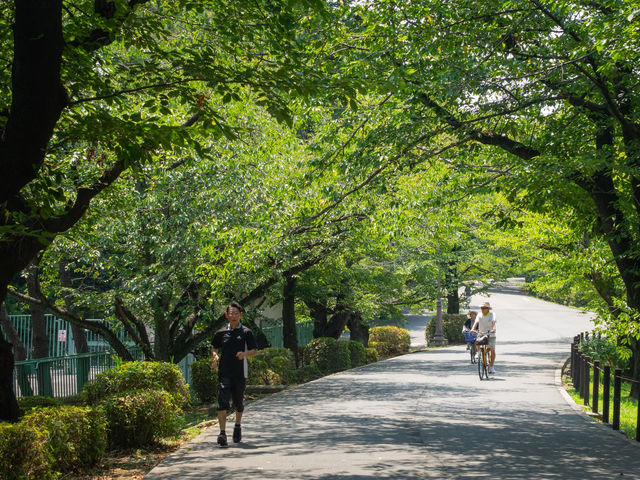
column 62, row 376
column 587, row 378
column 60, row 336
column 304, row 332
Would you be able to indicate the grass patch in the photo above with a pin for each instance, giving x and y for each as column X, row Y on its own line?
column 628, row 405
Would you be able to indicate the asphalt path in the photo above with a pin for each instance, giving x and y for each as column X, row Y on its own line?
column 428, row 415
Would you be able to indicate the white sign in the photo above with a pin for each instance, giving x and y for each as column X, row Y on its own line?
column 62, row 335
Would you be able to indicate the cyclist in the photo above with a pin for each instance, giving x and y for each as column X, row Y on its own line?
column 485, row 324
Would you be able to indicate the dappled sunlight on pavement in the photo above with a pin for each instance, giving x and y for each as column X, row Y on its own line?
column 427, row 415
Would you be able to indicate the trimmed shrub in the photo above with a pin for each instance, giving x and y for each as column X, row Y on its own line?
column 328, row 354
column 452, row 324
column 261, row 374
column 24, row 452
column 77, row 436
column 305, row 374
column 204, row 380
column 357, row 353
column 372, row 355
column 279, row 361
column 394, row 340
column 140, row 418
column 139, row 376
column 28, row 404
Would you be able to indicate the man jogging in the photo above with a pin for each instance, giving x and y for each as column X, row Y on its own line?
column 235, row 343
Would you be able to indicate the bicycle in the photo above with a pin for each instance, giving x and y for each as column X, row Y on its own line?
column 470, row 338
column 482, row 345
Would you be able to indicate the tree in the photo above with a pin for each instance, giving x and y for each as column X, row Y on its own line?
column 97, row 87
column 539, row 97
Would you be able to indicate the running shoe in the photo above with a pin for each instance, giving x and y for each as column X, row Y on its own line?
column 492, row 370
column 237, row 434
column 222, row 439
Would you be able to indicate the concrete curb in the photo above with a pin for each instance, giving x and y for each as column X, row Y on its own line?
column 581, row 411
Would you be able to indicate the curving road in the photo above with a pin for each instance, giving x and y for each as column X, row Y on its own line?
column 427, row 415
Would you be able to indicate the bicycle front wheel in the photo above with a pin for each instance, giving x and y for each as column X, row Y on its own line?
column 480, row 365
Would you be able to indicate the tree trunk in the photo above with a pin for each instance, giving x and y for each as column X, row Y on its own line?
column 20, row 352
column 337, row 322
column 319, row 313
column 9, row 410
column 453, row 301
column 452, row 286
column 289, row 335
column 40, row 344
column 359, row 329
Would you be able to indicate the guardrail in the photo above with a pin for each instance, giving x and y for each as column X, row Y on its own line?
column 582, row 369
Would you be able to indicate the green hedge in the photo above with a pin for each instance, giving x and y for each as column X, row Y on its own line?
column 389, row 340
column 28, row 404
column 357, row 353
column 372, row 355
column 50, row 441
column 77, row 436
column 138, row 376
column 305, row 374
column 451, row 328
column 24, row 452
column 204, row 380
column 328, row 354
column 141, row 417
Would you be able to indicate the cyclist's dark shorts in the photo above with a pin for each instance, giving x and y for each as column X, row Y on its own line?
column 231, row 389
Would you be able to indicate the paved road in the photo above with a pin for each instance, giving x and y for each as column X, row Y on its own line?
column 427, row 415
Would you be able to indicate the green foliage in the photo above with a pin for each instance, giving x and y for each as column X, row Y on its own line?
column 451, row 328
column 357, row 353
column 604, row 350
column 139, row 376
column 28, row 404
column 204, row 380
column 305, row 374
column 328, row 354
column 141, row 417
column 372, row 355
column 24, row 452
column 271, row 366
column 77, row 436
column 389, row 340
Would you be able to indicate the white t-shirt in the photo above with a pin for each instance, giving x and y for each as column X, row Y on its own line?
column 485, row 322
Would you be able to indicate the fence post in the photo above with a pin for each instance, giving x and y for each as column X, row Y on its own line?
column 606, row 387
column 573, row 359
column 595, row 395
column 615, row 424
column 587, row 372
column 576, row 378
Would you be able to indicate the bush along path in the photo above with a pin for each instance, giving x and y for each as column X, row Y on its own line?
column 134, row 415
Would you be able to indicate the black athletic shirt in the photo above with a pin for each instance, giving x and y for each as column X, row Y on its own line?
column 229, row 342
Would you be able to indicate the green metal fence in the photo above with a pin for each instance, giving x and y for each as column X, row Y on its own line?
column 304, row 332
column 60, row 336
column 61, row 376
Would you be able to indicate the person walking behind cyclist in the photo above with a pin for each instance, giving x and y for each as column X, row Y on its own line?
column 485, row 324
column 235, row 343
column 469, row 322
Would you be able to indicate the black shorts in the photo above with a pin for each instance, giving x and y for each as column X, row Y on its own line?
column 231, row 389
